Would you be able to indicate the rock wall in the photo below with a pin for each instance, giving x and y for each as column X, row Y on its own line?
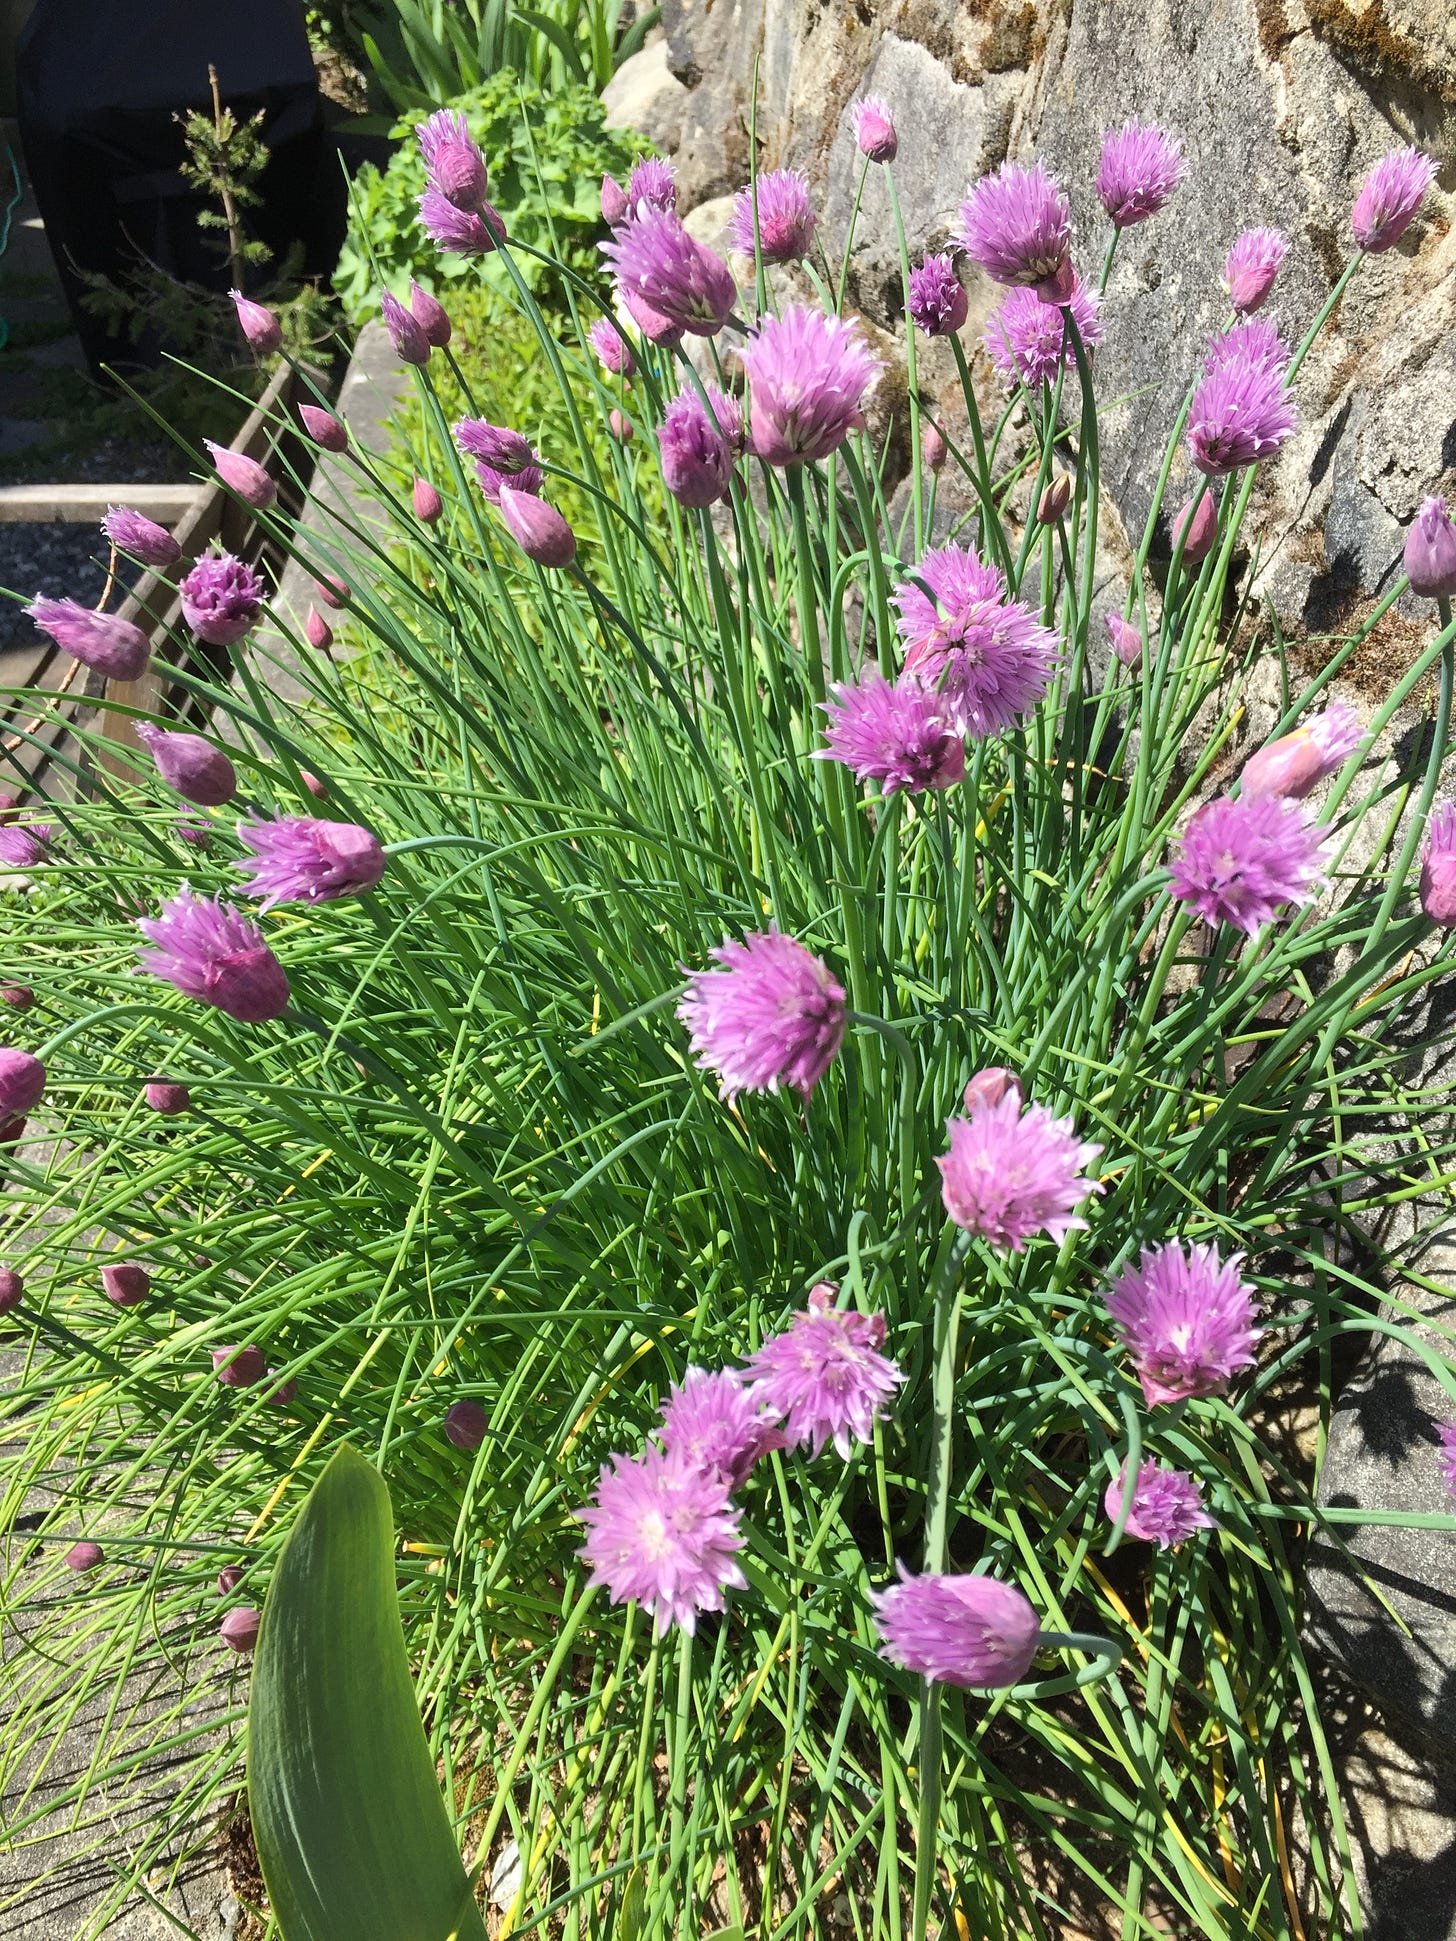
column 1281, row 104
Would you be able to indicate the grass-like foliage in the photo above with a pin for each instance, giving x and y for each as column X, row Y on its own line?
column 475, row 1159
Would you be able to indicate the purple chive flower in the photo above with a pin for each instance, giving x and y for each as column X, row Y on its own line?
column 1253, row 342
column 166, row 1098
column 1027, row 339
column 222, row 599
column 652, row 183
column 1438, row 866
column 23, row 845
column 1430, row 551
column 1013, row 1172
column 874, row 128
column 714, row 1423
column 1167, row 1505
column 823, row 1376
column 989, row 1086
column 656, row 328
column 1243, row 858
column 772, row 1016
column 663, row 1534
column 258, row 324
column 989, row 658
column 126, row 1283
column 1197, row 527
column 1186, row 1319
column 22, row 1084
column 431, row 316
column 147, row 542
column 238, row 1367
column 243, row 475
column 198, row 771
column 1389, row 196
column 300, row 860
column 454, row 165
column 957, row 1630
column 808, row 374
column 466, row 1424
column 1292, row 765
column 213, row 953
column 656, row 260
column 897, row 736
column 938, row 300
column 1447, row 1433
column 429, row 506
column 1140, row 168
column 1251, row 266
column 502, row 457
column 239, row 1629
column 697, row 461
column 324, row 428
column 1127, row 642
column 411, row 345
column 1241, row 412
column 611, row 348
column 113, row 646
column 12, row 1290
column 460, row 232
column 84, row 1556
column 785, row 217
column 1017, row 226
column 541, row 532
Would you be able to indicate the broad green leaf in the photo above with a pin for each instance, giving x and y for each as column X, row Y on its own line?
column 352, row 1833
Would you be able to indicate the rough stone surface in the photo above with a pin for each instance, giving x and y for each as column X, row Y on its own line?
column 1282, row 106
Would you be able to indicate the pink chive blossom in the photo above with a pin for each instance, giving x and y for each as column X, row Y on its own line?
column 785, row 217
column 454, row 164
column 24, row 845
column 1254, row 341
column 1438, row 867
column 1186, row 1319
column 22, row 1083
column 238, row 1367
column 258, row 324
column 808, row 374
column 715, row 1423
column 1127, row 642
column 429, row 507
column 542, row 533
column 502, row 457
column 1447, row 1433
column 938, row 301
column 460, row 232
column 1141, row 166
column 1167, row 1505
column 1389, row 197
column 652, row 183
column 823, row 1376
column 975, row 1632
column 191, row 765
column 103, row 641
column 324, row 428
column 874, row 128
column 431, row 316
column 988, row 658
column 298, row 859
column 612, row 348
column 131, row 532
column 697, row 458
column 1014, row 1171
column 215, row 954
column 1028, row 340
column 1430, row 551
column 1292, row 765
column 773, row 1015
column 1243, row 858
column 1197, row 526
column 1241, row 412
column 664, row 1535
column 897, row 735
column 222, row 599
column 657, row 260
column 1251, row 266
column 1017, row 226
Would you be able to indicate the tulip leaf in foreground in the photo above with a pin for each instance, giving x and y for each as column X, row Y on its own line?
column 352, row 1832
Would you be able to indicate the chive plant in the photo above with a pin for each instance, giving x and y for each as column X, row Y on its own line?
column 462, row 1146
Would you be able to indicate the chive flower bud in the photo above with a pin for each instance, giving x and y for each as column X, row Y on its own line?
column 411, row 345
column 143, row 538
column 22, row 1082
column 19, row 997
column 239, row 1629
column 238, row 1367
column 429, row 506
column 243, row 475
column 191, row 765
column 1430, row 551
column 167, row 1098
column 466, row 1424
column 317, row 631
column 103, row 641
column 259, row 325
column 12, row 1289
column 324, row 428
column 84, row 1556
column 540, row 531
column 126, row 1282
column 431, row 316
